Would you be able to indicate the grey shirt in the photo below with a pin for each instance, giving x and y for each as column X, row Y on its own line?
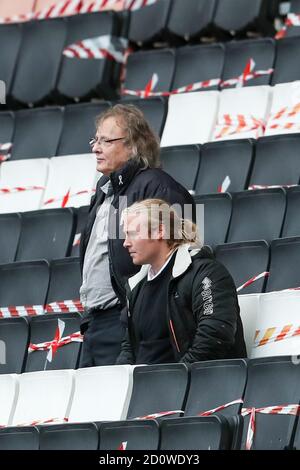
column 96, row 289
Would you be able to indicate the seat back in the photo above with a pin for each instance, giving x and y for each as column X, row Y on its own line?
column 14, row 336
column 28, row 174
column 158, row 388
column 216, row 383
column 46, row 234
column 277, row 325
column 65, row 280
column 36, row 77
column 79, row 436
column 284, row 267
column 276, row 161
column 129, row 435
column 10, row 229
column 182, row 163
column 272, row 381
column 24, row 283
column 217, row 213
column 43, row 329
column 19, row 438
column 291, row 226
column 43, row 396
column 37, row 132
column 245, row 260
column 209, row 433
column 101, row 393
column 186, row 122
column 257, row 215
column 224, row 166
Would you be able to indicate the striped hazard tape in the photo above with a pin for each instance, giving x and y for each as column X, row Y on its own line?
column 230, row 124
column 75, row 7
column 248, row 74
column 160, row 414
column 252, row 280
column 274, row 334
column 65, row 198
column 57, row 342
column 100, row 47
column 287, row 118
column 65, row 306
column 20, row 189
column 5, row 151
column 292, row 19
column 272, row 410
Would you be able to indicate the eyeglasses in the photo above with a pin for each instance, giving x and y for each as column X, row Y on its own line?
column 103, row 141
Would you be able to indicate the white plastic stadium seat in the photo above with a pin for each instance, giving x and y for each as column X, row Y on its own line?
column 101, row 393
column 249, row 304
column 252, row 103
column 285, row 111
column 69, row 176
column 191, row 118
column 278, row 325
column 24, row 174
column 43, row 396
column 9, row 388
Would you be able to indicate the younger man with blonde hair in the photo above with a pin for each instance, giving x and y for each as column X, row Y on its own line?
column 182, row 304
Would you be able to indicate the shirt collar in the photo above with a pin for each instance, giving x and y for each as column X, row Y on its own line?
column 151, row 275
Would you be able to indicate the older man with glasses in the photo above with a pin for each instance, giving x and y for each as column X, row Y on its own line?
column 127, row 153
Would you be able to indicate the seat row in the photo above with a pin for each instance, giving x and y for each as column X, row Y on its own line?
column 32, row 80
column 261, row 214
column 170, row 20
column 234, row 165
column 226, row 389
column 44, row 183
column 48, row 234
column 231, row 114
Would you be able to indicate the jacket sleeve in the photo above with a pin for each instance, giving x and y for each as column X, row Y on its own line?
column 126, row 355
column 215, row 309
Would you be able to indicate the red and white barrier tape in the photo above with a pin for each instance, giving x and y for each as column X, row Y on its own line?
column 100, row 47
column 230, row 124
column 123, row 446
column 21, row 311
column 5, row 151
column 273, row 410
column 57, row 342
column 77, row 238
column 292, row 19
column 148, row 90
column 220, row 408
column 225, row 185
column 45, row 421
column 274, row 334
column 65, row 199
column 252, row 280
column 74, row 7
column 65, row 306
column 252, row 187
column 159, row 415
column 20, row 189
column 287, row 118
column 248, row 74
